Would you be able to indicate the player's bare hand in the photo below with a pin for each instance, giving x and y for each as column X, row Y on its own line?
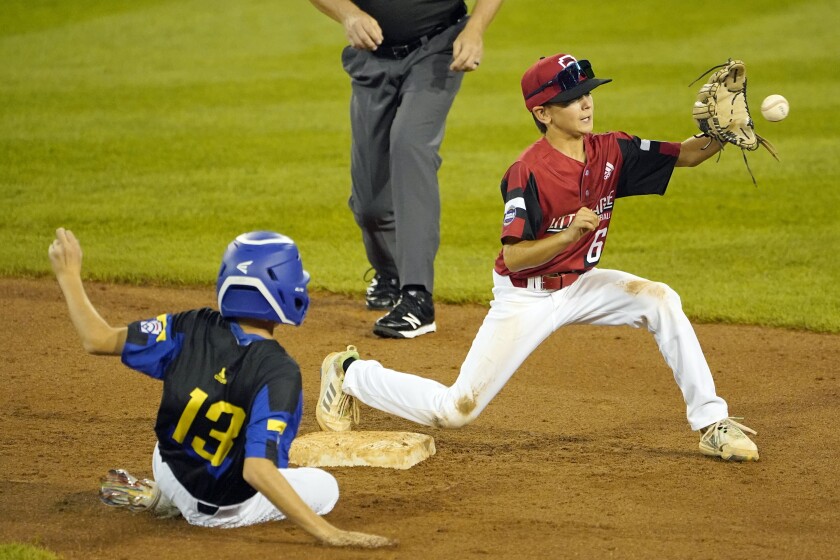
column 363, row 31
column 585, row 220
column 65, row 253
column 359, row 540
column 467, row 51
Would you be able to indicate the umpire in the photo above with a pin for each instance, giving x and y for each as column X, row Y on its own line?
column 406, row 60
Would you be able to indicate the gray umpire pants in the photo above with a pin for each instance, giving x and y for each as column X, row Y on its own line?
column 398, row 114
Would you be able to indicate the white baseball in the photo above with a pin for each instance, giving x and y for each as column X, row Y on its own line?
column 775, row 108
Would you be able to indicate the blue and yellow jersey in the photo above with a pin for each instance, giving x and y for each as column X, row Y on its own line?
column 227, row 395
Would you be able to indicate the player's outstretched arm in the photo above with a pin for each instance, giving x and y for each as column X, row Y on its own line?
column 263, row 476
column 98, row 337
column 696, row 150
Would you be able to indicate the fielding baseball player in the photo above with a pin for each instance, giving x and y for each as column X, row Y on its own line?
column 559, row 198
column 232, row 399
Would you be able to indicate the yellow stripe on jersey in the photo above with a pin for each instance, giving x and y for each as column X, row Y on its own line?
column 162, row 336
column 276, row 425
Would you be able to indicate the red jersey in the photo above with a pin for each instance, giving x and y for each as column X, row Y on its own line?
column 544, row 189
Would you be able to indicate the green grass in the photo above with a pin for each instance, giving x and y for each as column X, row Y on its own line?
column 17, row 551
column 159, row 129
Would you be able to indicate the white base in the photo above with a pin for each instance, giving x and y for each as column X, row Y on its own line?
column 393, row 450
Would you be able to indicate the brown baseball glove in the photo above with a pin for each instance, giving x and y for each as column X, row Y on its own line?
column 721, row 109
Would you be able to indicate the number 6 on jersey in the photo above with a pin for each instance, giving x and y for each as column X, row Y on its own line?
column 594, row 253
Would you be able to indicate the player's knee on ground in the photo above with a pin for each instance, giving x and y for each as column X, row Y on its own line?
column 327, row 492
column 452, row 421
column 457, row 413
column 317, row 487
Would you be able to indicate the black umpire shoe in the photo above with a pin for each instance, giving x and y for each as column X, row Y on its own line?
column 382, row 293
column 413, row 315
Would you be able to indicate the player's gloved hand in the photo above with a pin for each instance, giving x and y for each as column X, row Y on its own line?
column 65, row 253
column 356, row 539
column 721, row 108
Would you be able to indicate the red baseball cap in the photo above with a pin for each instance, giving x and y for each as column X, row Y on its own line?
column 558, row 78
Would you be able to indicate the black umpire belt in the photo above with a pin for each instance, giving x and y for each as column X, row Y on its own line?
column 548, row 282
column 397, row 52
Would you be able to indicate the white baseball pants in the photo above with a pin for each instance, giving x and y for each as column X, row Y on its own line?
column 518, row 321
column 316, row 487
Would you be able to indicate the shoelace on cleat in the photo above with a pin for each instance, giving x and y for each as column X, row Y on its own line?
column 347, row 403
column 731, row 421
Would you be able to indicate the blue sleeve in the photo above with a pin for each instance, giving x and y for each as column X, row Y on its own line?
column 270, row 433
column 150, row 346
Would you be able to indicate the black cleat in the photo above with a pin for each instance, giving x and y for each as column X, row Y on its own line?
column 413, row 315
column 382, row 293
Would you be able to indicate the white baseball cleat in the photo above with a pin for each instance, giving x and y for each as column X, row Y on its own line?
column 726, row 439
column 336, row 410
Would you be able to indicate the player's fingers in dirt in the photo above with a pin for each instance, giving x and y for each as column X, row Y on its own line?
column 360, row 540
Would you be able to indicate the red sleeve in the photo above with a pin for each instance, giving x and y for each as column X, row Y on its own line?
column 518, row 186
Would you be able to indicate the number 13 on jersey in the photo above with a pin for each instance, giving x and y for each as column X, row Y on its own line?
column 214, row 413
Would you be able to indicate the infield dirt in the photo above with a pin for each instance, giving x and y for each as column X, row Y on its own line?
column 585, row 454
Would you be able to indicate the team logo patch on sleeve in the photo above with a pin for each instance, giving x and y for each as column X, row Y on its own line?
column 153, row 326
column 510, row 214
column 510, row 209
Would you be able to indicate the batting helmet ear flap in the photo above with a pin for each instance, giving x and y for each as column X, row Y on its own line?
column 262, row 277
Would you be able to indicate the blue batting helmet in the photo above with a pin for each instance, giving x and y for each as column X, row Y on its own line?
column 262, row 277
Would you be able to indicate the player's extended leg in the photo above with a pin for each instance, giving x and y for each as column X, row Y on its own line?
column 518, row 321
column 373, row 105
column 613, row 297
column 316, row 487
